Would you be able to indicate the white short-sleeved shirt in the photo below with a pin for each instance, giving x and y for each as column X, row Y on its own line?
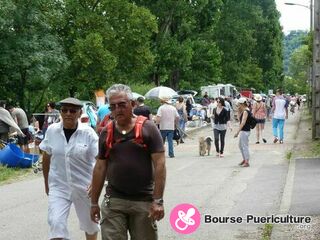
column 279, row 104
column 71, row 163
column 168, row 115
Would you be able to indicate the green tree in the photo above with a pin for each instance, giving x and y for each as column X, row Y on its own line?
column 235, row 37
column 106, row 41
column 249, row 35
column 291, row 42
column 186, row 54
column 31, row 56
column 269, row 44
column 297, row 81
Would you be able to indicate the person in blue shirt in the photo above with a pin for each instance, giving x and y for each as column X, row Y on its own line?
column 102, row 112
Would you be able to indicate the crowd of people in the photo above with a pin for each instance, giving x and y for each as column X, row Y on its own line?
column 78, row 161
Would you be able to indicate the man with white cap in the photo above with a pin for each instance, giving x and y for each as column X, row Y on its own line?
column 167, row 118
column 69, row 155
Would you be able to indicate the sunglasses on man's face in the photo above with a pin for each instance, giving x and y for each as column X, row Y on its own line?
column 120, row 105
column 70, row 110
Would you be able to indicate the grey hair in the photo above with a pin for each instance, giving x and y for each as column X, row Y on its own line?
column 118, row 88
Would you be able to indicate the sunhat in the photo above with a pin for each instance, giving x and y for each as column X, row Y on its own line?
column 258, row 97
column 242, row 100
column 71, row 101
column 165, row 99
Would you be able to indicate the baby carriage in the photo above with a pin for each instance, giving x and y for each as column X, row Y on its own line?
column 37, row 138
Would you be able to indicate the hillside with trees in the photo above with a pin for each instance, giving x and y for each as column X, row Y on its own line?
column 291, row 42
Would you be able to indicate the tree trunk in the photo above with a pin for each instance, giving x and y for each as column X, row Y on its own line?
column 175, row 78
column 21, row 88
column 156, row 79
column 72, row 91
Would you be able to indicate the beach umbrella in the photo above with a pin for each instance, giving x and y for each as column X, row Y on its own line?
column 160, row 92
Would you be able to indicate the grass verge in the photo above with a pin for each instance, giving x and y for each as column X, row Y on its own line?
column 312, row 150
column 7, row 174
column 267, row 230
column 288, row 155
column 315, row 148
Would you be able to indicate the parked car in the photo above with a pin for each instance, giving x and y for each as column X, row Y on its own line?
column 89, row 113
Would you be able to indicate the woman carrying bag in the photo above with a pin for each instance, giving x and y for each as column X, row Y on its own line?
column 183, row 118
column 244, row 131
column 259, row 112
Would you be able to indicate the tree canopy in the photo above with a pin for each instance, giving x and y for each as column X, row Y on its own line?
column 53, row 49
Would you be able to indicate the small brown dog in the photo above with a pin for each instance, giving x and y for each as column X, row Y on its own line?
column 205, row 145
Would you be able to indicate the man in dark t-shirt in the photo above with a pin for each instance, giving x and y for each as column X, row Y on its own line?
column 136, row 174
column 142, row 109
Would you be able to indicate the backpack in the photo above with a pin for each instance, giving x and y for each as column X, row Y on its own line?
column 103, row 123
column 138, row 138
column 252, row 120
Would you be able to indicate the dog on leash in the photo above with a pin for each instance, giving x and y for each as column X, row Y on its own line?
column 205, row 145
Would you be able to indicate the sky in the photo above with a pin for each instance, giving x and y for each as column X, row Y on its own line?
column 294, row 17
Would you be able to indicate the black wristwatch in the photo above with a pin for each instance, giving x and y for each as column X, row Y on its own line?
column 158, row 201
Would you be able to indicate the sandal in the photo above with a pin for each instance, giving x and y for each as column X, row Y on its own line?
column 243, row 161
column 245, row 165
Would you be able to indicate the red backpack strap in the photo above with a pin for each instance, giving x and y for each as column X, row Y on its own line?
column 138, row 130
column 103, row 123
column 109, row 138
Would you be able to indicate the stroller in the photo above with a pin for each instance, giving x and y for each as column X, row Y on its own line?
column 37, row 138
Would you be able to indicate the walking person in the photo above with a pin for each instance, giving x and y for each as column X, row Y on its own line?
column 69, row 150
column 20, row 117
column 188, row 106
column 205, row 100
column 259, row 112
column 244, row 131
column 220, row 118
column 211, row 107
column 6, row 121
column 167, row 118
column 142, row 109
column 52, row 115
column 102, row 112
column 183, row 118
column 268, row 104
column 280, row 113
column 135, row 171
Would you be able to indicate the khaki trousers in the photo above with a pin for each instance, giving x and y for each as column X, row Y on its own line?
column 120, row 217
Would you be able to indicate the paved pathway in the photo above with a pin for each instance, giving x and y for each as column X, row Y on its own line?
column 217, row 186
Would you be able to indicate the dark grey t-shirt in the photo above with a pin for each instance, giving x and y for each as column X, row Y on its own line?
column 4, row 128
column 21, row 117
column 130, row 168
column 142, row 110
